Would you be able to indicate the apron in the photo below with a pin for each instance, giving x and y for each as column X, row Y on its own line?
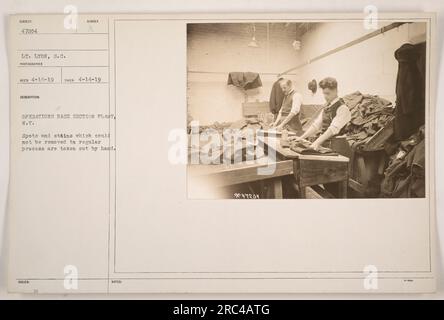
column 295, row 123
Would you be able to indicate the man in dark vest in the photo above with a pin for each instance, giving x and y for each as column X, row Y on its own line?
column 332, row 118
column 288, row 116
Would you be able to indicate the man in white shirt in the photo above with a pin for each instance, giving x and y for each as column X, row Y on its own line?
column 288, row 116
column 332, row 118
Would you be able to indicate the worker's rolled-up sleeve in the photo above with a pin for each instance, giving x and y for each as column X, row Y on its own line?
column 297, row 102
column 343, row 116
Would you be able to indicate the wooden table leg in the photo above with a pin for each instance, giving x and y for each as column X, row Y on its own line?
column 343, row 185
column 263, row 190
column 302, row 192
column 277, row 187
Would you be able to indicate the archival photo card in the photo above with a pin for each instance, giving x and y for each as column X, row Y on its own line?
column 222, row 153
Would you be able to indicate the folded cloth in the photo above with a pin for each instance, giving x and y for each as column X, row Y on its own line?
column 244, row 80
column 303, row 147
column 320, row 152
column 413, row 186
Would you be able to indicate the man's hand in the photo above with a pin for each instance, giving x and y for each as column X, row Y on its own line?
column 296, row 138
column 315, row 146
column 279, row 127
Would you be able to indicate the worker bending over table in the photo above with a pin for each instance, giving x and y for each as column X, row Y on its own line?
column 329, row 124
column 332, row 119
column 288, row 116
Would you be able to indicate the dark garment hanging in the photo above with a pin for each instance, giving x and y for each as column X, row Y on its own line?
column 405, row 174
column 410, row 89
column 413, row 186
column 276, row 97
column 244, row 80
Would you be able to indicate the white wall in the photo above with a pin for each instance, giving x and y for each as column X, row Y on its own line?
column 210, row 99
column 369, row 67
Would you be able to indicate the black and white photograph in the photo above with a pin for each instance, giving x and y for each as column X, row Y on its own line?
column 307, row 109
column 276, row 153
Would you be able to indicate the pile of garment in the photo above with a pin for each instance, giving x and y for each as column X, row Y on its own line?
column 216, row 126
column 369, row 113
column 405, row 174
column 247, row 126
column 243, row 124
column 218, row 149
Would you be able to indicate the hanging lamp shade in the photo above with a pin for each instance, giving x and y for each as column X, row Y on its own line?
column 253, row 43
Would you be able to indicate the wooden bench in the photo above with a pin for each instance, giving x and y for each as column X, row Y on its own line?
column 311, row 170
column 223, row 175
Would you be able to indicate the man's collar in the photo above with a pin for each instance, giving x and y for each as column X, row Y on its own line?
column 333, row 102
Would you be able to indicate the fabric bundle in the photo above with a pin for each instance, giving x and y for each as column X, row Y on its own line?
column 225, row 149
column 216, row 126
column 405, row 174
column 369, row 113
column 303, row 147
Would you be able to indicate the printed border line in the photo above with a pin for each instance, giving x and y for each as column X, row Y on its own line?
column 109, row 162
column 224, row 278
column 428, row 20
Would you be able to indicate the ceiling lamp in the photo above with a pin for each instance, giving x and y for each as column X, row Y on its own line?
column 253, row 43
column 297, row 43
